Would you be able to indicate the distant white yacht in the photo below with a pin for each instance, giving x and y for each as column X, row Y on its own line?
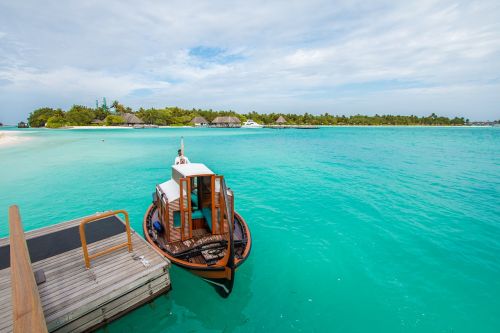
column 251, row 124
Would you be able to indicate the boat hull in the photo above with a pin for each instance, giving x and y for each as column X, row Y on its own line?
column 221, row 276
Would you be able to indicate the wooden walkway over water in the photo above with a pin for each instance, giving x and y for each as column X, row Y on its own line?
column 72, row 297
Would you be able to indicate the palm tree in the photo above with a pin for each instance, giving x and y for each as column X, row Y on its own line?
column 114, row 104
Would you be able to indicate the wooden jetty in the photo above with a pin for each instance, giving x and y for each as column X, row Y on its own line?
column 45, row 285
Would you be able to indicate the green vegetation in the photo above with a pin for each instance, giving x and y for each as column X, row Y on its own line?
column 56, row 121
column 79, row 115
column 176, row 116
column 39, row 117
column 112, row 120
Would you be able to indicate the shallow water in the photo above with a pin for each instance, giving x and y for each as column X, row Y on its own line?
column 354, row 229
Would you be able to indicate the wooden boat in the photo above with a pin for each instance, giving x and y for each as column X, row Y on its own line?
column 192, row 222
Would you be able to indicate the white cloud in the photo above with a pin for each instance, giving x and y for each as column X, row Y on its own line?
column 297, row 56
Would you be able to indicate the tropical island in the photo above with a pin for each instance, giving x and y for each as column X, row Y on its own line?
column 118, row 115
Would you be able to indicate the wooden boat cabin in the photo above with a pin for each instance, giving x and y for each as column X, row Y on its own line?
column 192, row 221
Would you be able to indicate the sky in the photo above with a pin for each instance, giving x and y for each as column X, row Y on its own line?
column 340, row 57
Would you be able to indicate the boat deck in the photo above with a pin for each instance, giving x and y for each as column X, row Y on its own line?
column 200, row 236
column 77, row 299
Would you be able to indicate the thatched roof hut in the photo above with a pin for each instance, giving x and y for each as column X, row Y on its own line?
column 199, row 121
column 281, row 120
column 97, row 121
column 226, row 122
column 131, row 119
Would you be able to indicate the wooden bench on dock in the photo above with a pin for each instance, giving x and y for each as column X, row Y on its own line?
column 45, row 284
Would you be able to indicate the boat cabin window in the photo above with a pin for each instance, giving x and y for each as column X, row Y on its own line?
column 194, row 213
column 201, row 202
column 201, row 192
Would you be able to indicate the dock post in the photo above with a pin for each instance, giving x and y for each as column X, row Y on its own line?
column 27, row 312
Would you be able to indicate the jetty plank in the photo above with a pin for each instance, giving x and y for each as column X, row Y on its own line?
column 114, row 308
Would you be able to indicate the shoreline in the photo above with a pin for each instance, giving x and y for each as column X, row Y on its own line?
column 86, row 127
column 14, row 129
column 10, row 138
column 276, row 126
column 90, row 127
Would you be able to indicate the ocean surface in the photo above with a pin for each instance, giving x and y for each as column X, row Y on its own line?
column 355, row 229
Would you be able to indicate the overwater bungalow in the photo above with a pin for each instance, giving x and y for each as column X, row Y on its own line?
column 226, row 122
column 131, row 119
column 279, row 124
column 281, row 121
column 199, row 121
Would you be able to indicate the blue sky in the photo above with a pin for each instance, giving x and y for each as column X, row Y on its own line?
column 341, row 57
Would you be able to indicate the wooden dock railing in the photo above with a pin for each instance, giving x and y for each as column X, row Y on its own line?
column 83, row 238
column 27, row 312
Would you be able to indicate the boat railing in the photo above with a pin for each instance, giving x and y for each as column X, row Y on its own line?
column 98, row 217
column 27, row 312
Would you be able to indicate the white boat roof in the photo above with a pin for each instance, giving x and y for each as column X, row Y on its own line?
column 192, row 169
column 171, row 189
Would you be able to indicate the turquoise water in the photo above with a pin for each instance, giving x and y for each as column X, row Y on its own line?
column 354, row 229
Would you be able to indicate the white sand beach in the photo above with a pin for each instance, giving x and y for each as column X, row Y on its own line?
column 94, row 127
column 112, row 127
column 8, row 138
